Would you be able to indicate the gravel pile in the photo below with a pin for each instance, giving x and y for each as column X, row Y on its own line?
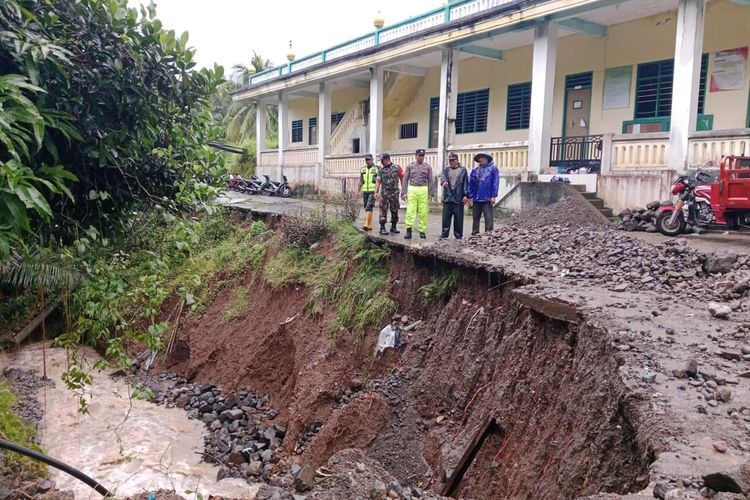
column 240, row 439
column 25, row 384
column 570, row 212
column 619, row 262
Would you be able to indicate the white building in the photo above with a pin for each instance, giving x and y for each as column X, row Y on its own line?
column 635, row 90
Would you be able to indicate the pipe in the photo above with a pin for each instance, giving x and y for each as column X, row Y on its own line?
column 56, row 464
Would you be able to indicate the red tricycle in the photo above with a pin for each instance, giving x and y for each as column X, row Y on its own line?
column 711, row 205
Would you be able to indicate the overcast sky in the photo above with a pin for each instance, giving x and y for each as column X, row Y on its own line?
column 227, row 31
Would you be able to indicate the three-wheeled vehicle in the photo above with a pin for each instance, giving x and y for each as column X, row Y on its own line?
column 709, row 205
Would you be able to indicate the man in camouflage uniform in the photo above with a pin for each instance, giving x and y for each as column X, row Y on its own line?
column 386, row 190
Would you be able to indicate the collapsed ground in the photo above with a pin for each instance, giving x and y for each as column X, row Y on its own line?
column 555, row 358
column 551, row 359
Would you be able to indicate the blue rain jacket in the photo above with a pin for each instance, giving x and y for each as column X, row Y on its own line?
column 484, row 182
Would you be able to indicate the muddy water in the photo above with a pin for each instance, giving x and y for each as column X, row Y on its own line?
column 130, row 446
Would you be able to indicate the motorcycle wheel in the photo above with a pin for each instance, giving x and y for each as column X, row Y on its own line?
column 667, row 229
column 286, row 191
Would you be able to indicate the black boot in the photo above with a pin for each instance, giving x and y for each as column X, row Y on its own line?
column 422, row 235
column 393, row 228
column 382, row 229
column 407, row 236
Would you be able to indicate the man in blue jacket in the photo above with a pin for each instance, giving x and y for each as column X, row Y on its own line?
column 484, row 183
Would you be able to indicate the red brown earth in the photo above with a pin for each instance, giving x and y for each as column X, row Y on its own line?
column 559, row 368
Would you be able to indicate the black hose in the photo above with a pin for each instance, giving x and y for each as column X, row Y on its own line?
column 56, row 464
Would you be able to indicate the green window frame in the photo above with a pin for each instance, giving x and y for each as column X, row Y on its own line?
column 518, row 106
column 472, row 109
column 296, row 130
column 653, row 90
column 312, row 131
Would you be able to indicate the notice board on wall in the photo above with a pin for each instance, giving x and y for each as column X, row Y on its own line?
column 617, row 87
column 728, row 69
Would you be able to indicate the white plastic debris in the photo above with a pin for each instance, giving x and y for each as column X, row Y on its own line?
column 390, row 336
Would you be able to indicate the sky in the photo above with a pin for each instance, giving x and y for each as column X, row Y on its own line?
column 227, row 31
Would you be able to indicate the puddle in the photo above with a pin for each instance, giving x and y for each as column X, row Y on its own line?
column 129, row 446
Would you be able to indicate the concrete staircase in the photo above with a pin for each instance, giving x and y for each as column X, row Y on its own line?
column 597, row 202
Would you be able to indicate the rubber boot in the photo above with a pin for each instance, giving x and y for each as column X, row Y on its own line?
column 382, row 229
column 407, row 236
column 393, row 228
column 367, row 226
column 364, row 224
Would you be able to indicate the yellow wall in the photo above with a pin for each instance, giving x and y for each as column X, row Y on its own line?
column 306, row 108
column 644, row 40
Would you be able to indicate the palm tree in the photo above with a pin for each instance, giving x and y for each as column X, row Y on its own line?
column 241, row 115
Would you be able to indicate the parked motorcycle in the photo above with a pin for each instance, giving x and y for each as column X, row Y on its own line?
column 693, row 206
column 275, row 188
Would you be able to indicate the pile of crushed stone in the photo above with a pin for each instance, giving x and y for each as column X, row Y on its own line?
column 619, row 262
column 570, row 212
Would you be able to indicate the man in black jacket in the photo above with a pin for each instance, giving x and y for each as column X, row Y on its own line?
column 455, row 182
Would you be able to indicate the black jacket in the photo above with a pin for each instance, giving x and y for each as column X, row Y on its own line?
column 455, row 194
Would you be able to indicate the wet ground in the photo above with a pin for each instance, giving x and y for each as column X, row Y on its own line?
column 128, row 445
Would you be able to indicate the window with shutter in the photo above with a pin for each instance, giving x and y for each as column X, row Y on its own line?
column 297, row 131
column 472, row 109
column 312, row 131
column 408, row 131
column 518, row 107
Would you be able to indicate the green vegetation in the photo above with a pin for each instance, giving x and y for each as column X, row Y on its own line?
column 240, row 302
column 440, row 288
column 290, row 266
column 14, row 430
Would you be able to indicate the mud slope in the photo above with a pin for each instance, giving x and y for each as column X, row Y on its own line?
column 489, row 400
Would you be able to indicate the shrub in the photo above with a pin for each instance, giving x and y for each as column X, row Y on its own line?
column 257, row 228
column 440, row 288
column 349, row 208
column 305, row 229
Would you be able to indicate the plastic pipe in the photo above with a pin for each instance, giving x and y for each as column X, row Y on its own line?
column 56, row 464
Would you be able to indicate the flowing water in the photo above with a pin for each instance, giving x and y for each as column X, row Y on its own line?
column 128, row 445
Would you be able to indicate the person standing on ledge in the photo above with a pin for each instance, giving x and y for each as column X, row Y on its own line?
column 386, row 190
column 367, row 186
column 418, row 192
column 455, row 182
column 483, row 186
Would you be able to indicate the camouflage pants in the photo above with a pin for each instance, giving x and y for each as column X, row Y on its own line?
column 389, row 200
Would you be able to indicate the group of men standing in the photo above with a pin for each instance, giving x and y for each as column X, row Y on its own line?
column 417, row 186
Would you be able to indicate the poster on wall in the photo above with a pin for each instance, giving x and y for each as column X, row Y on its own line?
column 728, row 69
column 617, row 87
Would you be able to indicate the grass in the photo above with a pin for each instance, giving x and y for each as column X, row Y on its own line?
column 290, row 266
column 13, row 429
column 440, row 288
column 240, row 302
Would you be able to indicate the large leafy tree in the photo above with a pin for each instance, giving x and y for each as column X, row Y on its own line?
column 101, row 111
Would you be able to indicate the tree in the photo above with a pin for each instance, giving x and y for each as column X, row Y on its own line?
column 122, row 118
column 241, row 127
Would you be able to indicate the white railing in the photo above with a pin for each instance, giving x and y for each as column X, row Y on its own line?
column 350, row 48
column 708, row 147
column 301, row 156
column 343, row 165
column 507, row 156
column 340, row 136
column 269, row 158
column 471, row 8
column 640, row 150
column 307, row 62
column 457, row 9
column 402, row 30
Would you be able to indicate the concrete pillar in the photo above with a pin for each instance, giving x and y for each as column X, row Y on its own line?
column 376, row 111
column 447, row 109
column 324, row 129
column 687, row 67
column 283, row 130
column 542, row 87
column 260, row 129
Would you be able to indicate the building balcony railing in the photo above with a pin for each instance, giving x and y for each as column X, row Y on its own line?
column 453, row 11
column 650, row 150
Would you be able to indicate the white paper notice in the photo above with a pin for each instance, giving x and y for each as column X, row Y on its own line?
column 617, row 87
column 728, row 70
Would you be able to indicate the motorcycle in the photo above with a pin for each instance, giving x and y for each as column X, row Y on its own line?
column 693, row 206
column 253, row 185
column 274, row 188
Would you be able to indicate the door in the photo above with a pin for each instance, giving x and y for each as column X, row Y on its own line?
column 577, row 112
